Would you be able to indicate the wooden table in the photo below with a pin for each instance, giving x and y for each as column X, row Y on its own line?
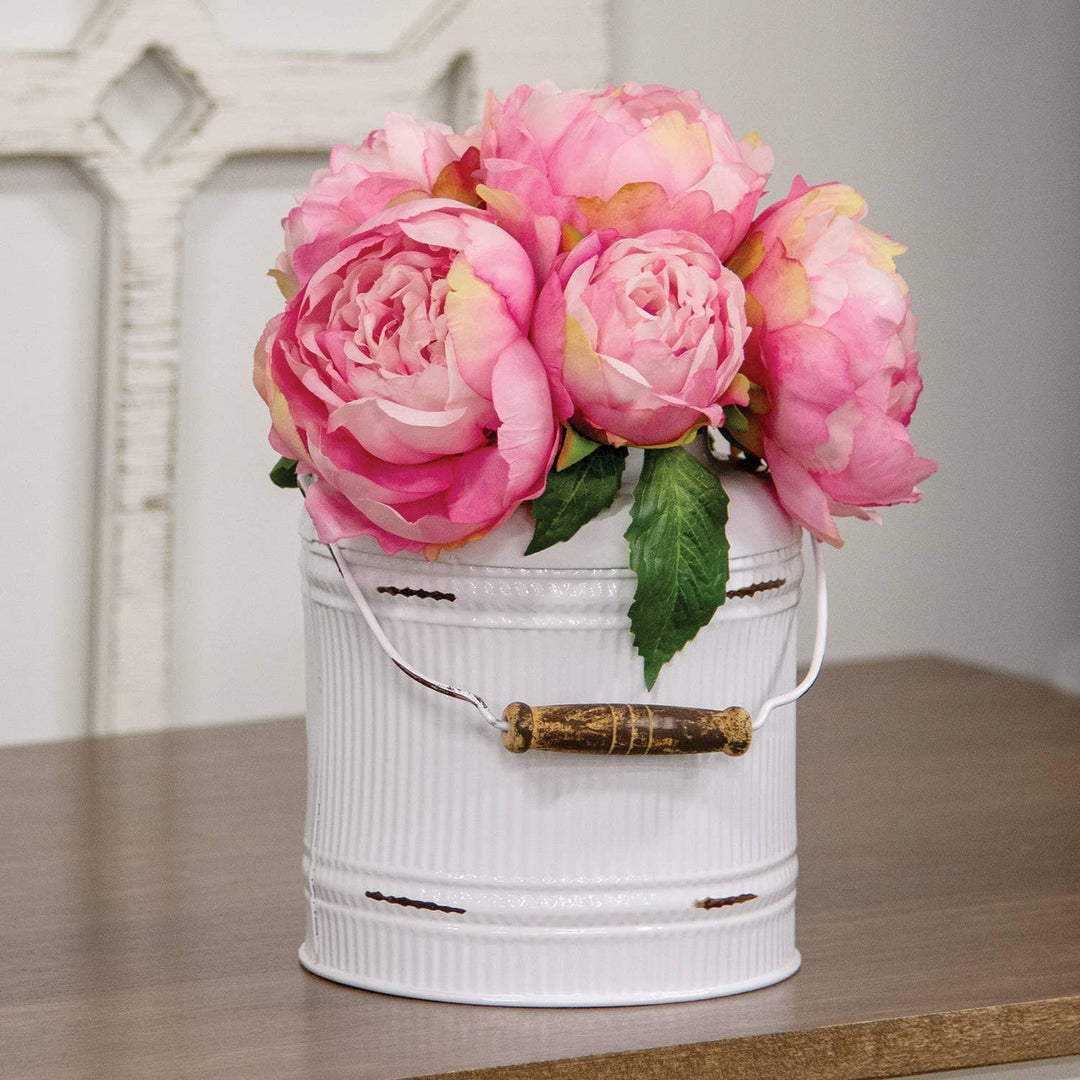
column 150, row 910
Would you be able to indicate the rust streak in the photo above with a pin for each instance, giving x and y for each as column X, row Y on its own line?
column 423, row 594
column 724, row 901
column 404, row 901
column 758, row 586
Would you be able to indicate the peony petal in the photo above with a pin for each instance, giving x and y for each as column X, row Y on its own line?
column 781, row 288
column 800, row 495
column 808, row 380
column 527, row 436
column 633, row 209
column 479, row 326
column 496, row 258
column 335, row 518
column 537, row 233
column 883, row 468
column 669, row 151
column 404, row 436
column 581, row 365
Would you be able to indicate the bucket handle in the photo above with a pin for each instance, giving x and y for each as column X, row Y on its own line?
column 610, row 728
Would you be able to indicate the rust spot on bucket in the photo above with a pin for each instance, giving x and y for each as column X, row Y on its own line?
column 724, row 901
column 758, row 586
column 404, row 901
column 423, row 594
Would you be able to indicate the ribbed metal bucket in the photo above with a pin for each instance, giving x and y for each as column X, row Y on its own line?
column 439, row 865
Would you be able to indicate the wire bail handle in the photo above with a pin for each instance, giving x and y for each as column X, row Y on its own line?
column 610, row 728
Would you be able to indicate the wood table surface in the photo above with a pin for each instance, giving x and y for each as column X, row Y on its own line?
column 151, row 909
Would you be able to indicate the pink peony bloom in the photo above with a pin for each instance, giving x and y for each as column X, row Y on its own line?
column 631, row 158
column 832, row 349
column 405, row 160
column 402, row 375
column 642, row 337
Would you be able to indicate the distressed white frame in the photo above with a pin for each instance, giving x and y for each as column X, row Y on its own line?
column 243, row 102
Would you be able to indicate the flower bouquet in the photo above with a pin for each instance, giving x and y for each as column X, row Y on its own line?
column 521, row 352
column 483, row 320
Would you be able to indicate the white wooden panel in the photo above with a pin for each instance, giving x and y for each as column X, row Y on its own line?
column 218, row 101
column 365, row 26
column 52, row 223
column 44, row 24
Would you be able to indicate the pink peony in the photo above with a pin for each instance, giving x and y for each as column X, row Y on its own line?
column 401, row 374
column 631, row 158
column 405, row 160
column 832, row 349
column 642, row 336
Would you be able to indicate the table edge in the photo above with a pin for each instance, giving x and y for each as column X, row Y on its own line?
column 864, row 1050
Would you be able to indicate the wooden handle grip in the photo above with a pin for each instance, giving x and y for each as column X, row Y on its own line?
column 626, row 729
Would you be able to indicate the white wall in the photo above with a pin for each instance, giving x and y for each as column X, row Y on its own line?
column 958, row 121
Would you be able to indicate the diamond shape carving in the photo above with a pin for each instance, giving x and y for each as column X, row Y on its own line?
column 154, row 104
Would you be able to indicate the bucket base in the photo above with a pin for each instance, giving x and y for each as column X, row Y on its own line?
column 529, row 1001
column 555, row 966
column 578, row 1001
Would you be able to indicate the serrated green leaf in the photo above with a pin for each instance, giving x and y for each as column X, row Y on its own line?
column 284, row 473
column 679, row 552
column 575, row 496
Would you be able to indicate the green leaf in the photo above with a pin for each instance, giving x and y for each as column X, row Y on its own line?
column 575, row 496
column 735, row 419
column 679, row 552
column 284, row 473
column 575, row 446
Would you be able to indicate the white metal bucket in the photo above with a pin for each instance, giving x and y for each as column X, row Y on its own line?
column 439, row 865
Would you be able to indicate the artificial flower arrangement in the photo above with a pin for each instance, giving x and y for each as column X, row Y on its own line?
column 483, row 320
